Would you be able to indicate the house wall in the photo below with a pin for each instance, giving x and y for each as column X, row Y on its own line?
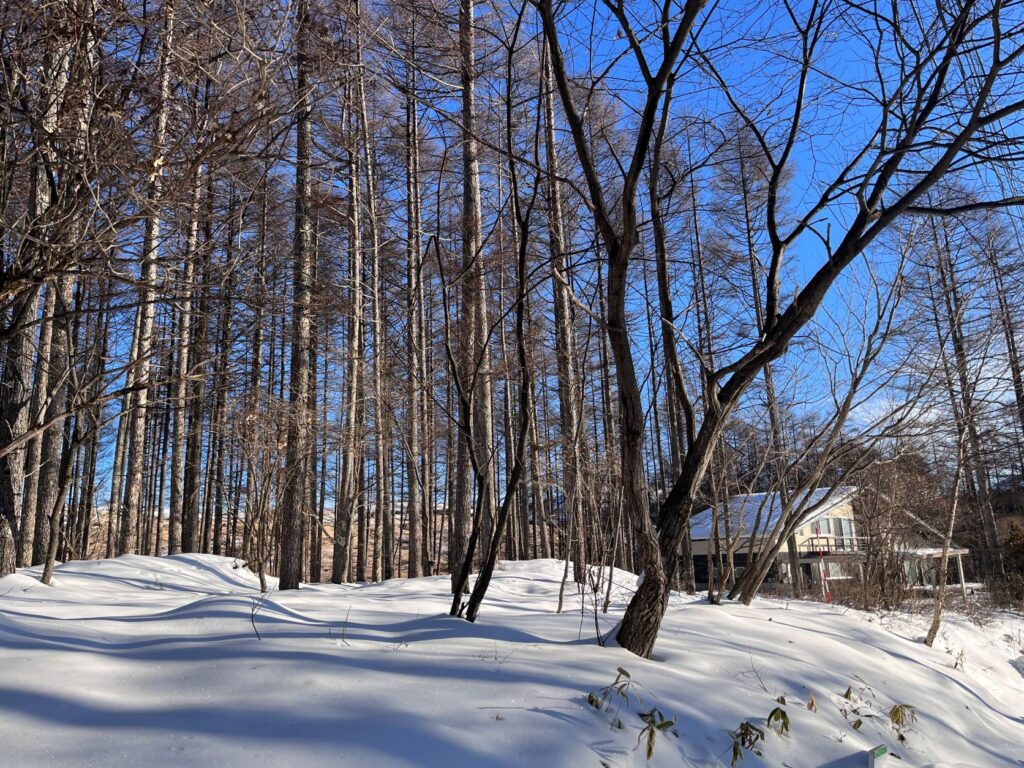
column 836, row 531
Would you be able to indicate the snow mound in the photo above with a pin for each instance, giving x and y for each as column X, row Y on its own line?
column 180, row 661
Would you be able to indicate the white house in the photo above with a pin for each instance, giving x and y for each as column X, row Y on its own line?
column 826, row 540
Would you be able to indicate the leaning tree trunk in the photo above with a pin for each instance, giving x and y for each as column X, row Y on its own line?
column 947, row 539
column 521, row 236
column 640, row 624
column 681, row 421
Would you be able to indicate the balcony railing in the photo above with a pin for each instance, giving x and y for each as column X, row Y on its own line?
column 829, row 545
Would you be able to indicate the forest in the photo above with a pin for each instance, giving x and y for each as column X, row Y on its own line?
column 354, row 291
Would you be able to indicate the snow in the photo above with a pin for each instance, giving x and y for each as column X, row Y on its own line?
column 758, row 512
column 931, row 552
column 146, row 661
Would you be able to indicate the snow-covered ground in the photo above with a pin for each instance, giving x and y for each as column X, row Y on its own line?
column 156, row 662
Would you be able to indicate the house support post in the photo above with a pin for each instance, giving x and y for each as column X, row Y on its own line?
column 960, row 570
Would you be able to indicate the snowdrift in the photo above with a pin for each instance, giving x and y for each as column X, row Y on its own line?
column 179, row 661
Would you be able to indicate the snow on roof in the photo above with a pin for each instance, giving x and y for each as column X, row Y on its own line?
column 759, row 512
column 927, row 553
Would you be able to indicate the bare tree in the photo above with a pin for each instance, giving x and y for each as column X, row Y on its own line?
column 886, row 179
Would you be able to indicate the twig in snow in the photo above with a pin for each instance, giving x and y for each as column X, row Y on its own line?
column 757, row 674
column 256, row 605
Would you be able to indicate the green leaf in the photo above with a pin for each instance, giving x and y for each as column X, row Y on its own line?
column 778, row 721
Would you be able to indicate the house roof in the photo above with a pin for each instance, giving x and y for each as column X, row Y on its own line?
column 931, row 553
column 745, row 509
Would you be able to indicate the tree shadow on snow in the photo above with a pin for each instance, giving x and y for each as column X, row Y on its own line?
column 338, row 732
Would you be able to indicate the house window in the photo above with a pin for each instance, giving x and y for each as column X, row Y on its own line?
column 844, row 533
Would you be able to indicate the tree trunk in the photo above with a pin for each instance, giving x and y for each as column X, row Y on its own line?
column 140, row 371
column 947, row 540
column 294, row 496
column 49, row 505
column 182, row 362
column 352, row 452
column 570, row 393
column 414, row 328
column 475, row 436
column 14, row 415
column 34, row 450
